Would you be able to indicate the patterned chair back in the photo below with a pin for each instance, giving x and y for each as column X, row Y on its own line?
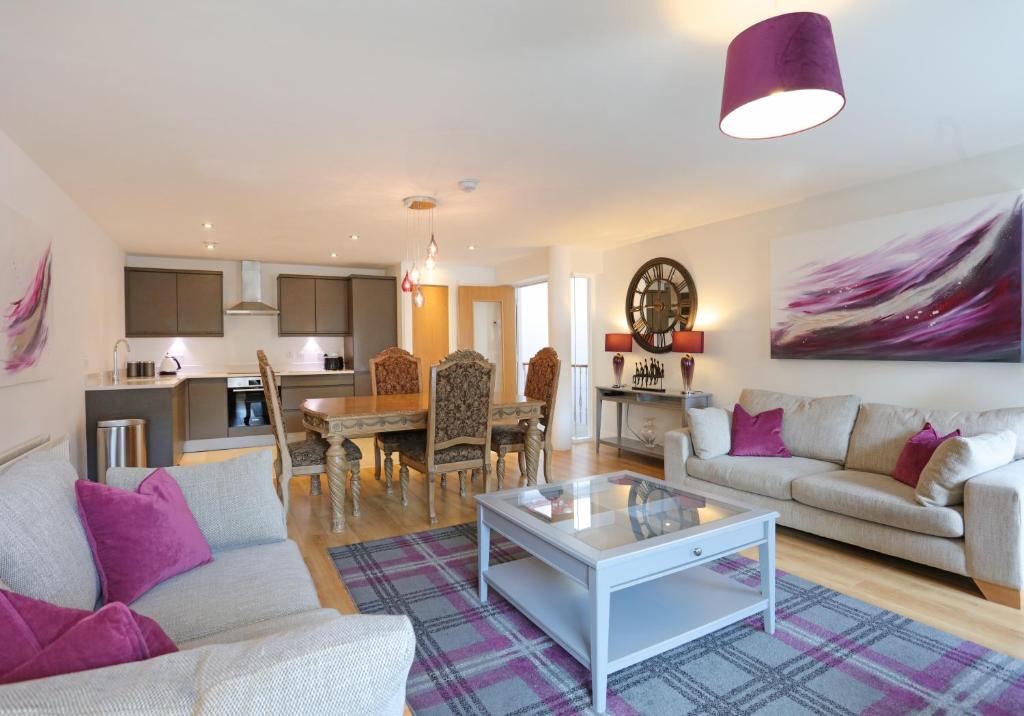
column 273, row 400
column 394, row 371
column 461, row 394
column 542, row 381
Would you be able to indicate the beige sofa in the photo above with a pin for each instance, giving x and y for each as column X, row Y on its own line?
column 838, row 485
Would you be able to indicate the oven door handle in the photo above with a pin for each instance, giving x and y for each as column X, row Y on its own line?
column 245, row 390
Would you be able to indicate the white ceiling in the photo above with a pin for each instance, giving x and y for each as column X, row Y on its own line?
column 291, row 125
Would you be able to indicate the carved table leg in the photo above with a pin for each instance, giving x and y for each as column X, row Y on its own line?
column 500, row 469
column 532, row 449
column 314, row 486
column 430, row 498
column 522, row 463
column 356, row 486
column 403, row 477
column 376, row 459
column 462, row 483
column 389, row 472
column 547, row 466
column 337, row 466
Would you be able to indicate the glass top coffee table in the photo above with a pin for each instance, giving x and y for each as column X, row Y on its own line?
column 615, row 573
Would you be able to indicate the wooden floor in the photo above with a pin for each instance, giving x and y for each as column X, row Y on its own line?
column 942, row 600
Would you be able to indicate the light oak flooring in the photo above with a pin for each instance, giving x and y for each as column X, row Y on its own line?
column 942, row 600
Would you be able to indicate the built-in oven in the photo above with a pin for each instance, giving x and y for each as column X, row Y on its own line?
column 247, row 406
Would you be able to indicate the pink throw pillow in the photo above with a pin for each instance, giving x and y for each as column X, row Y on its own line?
column 140, row 538
column 758, row 435
column 43, row 639
column 917, row 452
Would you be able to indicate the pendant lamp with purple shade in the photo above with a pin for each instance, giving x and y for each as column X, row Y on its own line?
column 781, row 77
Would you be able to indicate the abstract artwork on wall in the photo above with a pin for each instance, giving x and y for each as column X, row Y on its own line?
column 25, row 274
column 941, row 284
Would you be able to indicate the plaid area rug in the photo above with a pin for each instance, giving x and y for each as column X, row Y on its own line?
column 830, row 654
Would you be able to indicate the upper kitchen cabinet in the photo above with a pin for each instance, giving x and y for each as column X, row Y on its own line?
column 374, row 317
column 166, row 302
column 314, row 305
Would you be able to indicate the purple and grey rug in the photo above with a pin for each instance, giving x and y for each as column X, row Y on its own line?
column 830, row 654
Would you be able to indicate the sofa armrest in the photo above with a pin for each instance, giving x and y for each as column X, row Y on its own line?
column 678, row 449
column 234, row 501
column 994, row 525
column 349, row 665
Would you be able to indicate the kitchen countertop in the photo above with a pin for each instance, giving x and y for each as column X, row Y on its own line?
column 104, row 381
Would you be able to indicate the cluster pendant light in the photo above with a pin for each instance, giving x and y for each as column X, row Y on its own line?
column 781, row 77
column 411, row 280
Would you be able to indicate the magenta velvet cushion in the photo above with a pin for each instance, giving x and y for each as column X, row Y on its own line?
column 757, row 435
column 42, row 639
column 140, row 538
column 917, row 452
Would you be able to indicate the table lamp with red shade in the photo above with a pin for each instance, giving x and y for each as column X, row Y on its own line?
column 618, row 342
column 687, row 342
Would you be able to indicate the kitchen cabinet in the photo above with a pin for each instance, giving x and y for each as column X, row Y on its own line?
column 314, row 305
column 207, row 408
column 297, row 388
column 167, row 302
column 374, row 318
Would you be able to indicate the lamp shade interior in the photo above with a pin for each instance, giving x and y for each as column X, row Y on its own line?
column 618, row 342
column 688, row 342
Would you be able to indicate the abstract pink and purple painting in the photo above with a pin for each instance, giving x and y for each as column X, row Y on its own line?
column 24, row 323
column 933, row 285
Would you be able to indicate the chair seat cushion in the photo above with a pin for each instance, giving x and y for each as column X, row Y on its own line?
column 240, row 586
column 877, row 498
column 509, row 435
column 314, row 452
column 413, row 444
column 768, row 476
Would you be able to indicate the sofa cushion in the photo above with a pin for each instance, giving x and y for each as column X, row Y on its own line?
column 234, row 501
column 241, row 586
column 768, row 476
column 44, row 553
column 817, row 428
column 876, row 498
column 958, row 460
column 710, row 431
column 881, row 431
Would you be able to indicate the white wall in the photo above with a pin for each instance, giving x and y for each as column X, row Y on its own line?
column 729, row 263
column 243, row 335
column 86, row 305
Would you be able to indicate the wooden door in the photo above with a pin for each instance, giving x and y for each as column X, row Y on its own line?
column 333, row 301
column 487, row 324
column 430, row 330
column 150, row 302
column 296, row 301
column 201, row 304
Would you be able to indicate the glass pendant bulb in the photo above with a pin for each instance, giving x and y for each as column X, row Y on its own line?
column 414, row 274
column 432, row 246
column 406, row 283
column 418, row 298
column 430, row 263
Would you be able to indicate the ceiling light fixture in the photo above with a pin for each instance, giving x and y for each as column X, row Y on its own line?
column 207, row 225
column 334, row 255
column 418, row 299
column 210, row 245
column 420, row 218
column 781, row 77
column 472, row 248
column 354, row 237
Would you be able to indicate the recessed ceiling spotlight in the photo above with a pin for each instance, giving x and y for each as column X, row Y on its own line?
column 207, row 225
column 468, row 185
column 210, row 245
column 334, row 255
column 472, row 248
column 354, row 237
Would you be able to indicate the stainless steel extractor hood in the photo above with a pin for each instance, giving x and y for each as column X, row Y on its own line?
column 252, row 293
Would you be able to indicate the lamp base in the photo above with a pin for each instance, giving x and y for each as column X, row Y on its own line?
column 618, row 362
column 686, row 367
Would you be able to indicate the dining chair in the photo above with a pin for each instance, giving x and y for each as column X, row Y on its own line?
column 541, row 384
column 458, row 425
column 302, row 457
column 392, row 371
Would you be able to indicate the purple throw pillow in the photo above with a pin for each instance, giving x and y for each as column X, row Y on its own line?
column 140, row 538
column 917, row 452
column 758, row 435
column 43, row 639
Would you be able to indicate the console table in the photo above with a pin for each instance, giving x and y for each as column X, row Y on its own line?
column 627, row 396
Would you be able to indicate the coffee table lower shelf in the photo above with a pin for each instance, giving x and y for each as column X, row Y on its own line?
column 646, row 619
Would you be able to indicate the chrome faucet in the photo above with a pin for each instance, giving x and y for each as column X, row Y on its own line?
column 117, row 363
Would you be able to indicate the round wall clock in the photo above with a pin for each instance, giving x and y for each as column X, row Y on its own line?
column 661, row 298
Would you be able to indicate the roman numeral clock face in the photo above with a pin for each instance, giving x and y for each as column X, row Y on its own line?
column 661, row 298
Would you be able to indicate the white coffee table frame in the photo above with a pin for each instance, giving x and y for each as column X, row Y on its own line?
column 613, row 608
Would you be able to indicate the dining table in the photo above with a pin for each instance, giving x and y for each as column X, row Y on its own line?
column 336, row 419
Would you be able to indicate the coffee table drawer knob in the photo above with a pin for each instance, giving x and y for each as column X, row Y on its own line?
column 697, row 551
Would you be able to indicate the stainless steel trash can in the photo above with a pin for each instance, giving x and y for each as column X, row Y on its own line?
column 120, row 443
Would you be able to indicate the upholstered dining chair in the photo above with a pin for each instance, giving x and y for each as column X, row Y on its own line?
column 392, row 371
column 303, row 457
column 458, row 425
column 541, row 384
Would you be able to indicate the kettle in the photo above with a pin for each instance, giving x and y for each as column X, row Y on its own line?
column 169, row 365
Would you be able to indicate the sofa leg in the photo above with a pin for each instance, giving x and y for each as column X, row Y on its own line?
column 1007, row 596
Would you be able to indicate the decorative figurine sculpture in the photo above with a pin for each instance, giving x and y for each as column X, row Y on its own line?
column 649, row 375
